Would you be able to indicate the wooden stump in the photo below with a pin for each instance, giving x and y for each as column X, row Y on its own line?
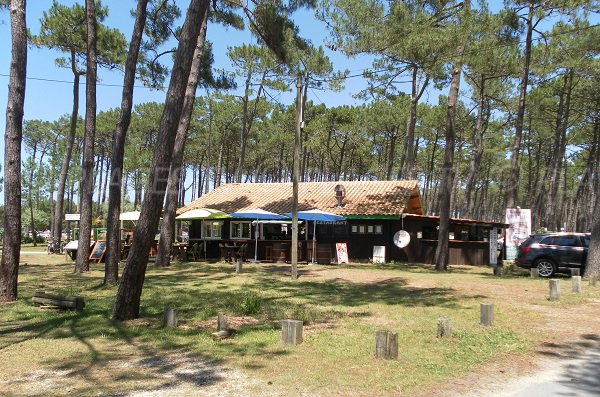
column 535, row 273
column 58, row 301
column 576, row 284
column 575, row 272
column 386, row 345
column 444, row 328
column 593, row 281
column 170, row 317
column 291, row 332
column 554, row 290
column 486, row 317
column 221, row 322
column 238, row 266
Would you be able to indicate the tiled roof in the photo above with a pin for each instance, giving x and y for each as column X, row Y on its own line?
column 361, row 197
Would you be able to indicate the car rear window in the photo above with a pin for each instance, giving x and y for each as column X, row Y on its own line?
column 585, row 241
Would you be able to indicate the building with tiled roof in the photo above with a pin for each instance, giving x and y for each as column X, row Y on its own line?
column 375, row 212
column 361, row 198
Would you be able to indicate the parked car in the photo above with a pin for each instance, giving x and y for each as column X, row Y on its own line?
column 554, row 253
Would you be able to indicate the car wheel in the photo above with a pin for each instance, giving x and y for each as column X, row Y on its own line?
column 545, row 267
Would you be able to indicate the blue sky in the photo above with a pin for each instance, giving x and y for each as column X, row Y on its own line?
column 49, row 88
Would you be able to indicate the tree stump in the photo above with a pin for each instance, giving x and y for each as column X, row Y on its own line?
column 575, row 272
column 486, row 317
column 170, row 317
column 238, row 266
column 291, row 332
column 221, row 322
column 444, row 328
column 535, row 273
column 386, row 345
column 576, row 284
column 554, row 290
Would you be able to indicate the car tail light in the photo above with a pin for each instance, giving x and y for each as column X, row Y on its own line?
column 525, row 250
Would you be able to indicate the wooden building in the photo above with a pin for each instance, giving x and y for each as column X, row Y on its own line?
column 374, row 210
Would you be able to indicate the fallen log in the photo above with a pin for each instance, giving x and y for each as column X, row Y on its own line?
column 59, row 301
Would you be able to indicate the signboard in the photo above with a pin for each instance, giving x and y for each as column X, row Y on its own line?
column 379, row 254
column 72, row 217
column 493, row 247
column 98, row 251
column 519, row 229
column 341, row 253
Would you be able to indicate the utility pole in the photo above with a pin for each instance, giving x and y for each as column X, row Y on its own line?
column 295, row 172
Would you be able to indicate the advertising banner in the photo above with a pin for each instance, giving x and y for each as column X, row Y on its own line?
column 519, row 221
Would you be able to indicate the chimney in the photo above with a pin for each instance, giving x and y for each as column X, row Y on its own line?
column 340, row 193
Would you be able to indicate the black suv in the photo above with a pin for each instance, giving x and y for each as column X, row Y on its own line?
column 554, row 252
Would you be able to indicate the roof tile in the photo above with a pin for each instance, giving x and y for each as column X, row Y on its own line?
column 361, row 197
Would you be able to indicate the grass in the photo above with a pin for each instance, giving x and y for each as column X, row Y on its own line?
column 342, row 308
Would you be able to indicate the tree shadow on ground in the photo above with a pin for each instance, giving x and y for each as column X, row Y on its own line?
column 581, row 366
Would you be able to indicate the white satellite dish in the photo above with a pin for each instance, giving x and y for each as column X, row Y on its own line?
column 401, row 238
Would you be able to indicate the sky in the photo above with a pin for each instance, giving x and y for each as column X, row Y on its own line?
column 49, row 88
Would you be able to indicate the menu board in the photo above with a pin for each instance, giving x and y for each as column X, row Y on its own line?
column 341, row 253
column 98, row 250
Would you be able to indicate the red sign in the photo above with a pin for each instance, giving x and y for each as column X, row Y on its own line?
column 341, row 253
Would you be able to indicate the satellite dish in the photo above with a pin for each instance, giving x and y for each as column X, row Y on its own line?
column 401, row 238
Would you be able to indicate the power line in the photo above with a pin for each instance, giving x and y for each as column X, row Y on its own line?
column 81, row 83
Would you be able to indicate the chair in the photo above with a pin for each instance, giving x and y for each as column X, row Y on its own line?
column 242, row 251
column 223, row 252
column 195, row 252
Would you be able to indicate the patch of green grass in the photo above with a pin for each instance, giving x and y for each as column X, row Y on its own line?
column 341, row 317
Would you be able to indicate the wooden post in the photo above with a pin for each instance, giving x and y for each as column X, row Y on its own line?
column 576, row 284
column 221, row 322
column 291, row 332
column 535, row 273
column 386, row 345
column 444, row 328
column 238, row 266
column 593, row 281
column 575, row 272
column 170, row 317
column 486, row 317
column 554, row 290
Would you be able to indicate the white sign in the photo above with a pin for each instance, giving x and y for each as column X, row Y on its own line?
column 493, row 246
column 71, row 217
column 519, row 229
column 379, row 254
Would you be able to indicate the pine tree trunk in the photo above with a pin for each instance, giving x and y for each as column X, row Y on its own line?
column 445, row 195
column 87, row 165
column 167, row 232
column 127, row 304
column 64, row 170
column 512, row 188
column 113, row 235
column 476, row 153
column 9, row 266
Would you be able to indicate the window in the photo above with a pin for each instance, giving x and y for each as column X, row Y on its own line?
column 367, row 229
column 212, row 229
column 240, row 230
